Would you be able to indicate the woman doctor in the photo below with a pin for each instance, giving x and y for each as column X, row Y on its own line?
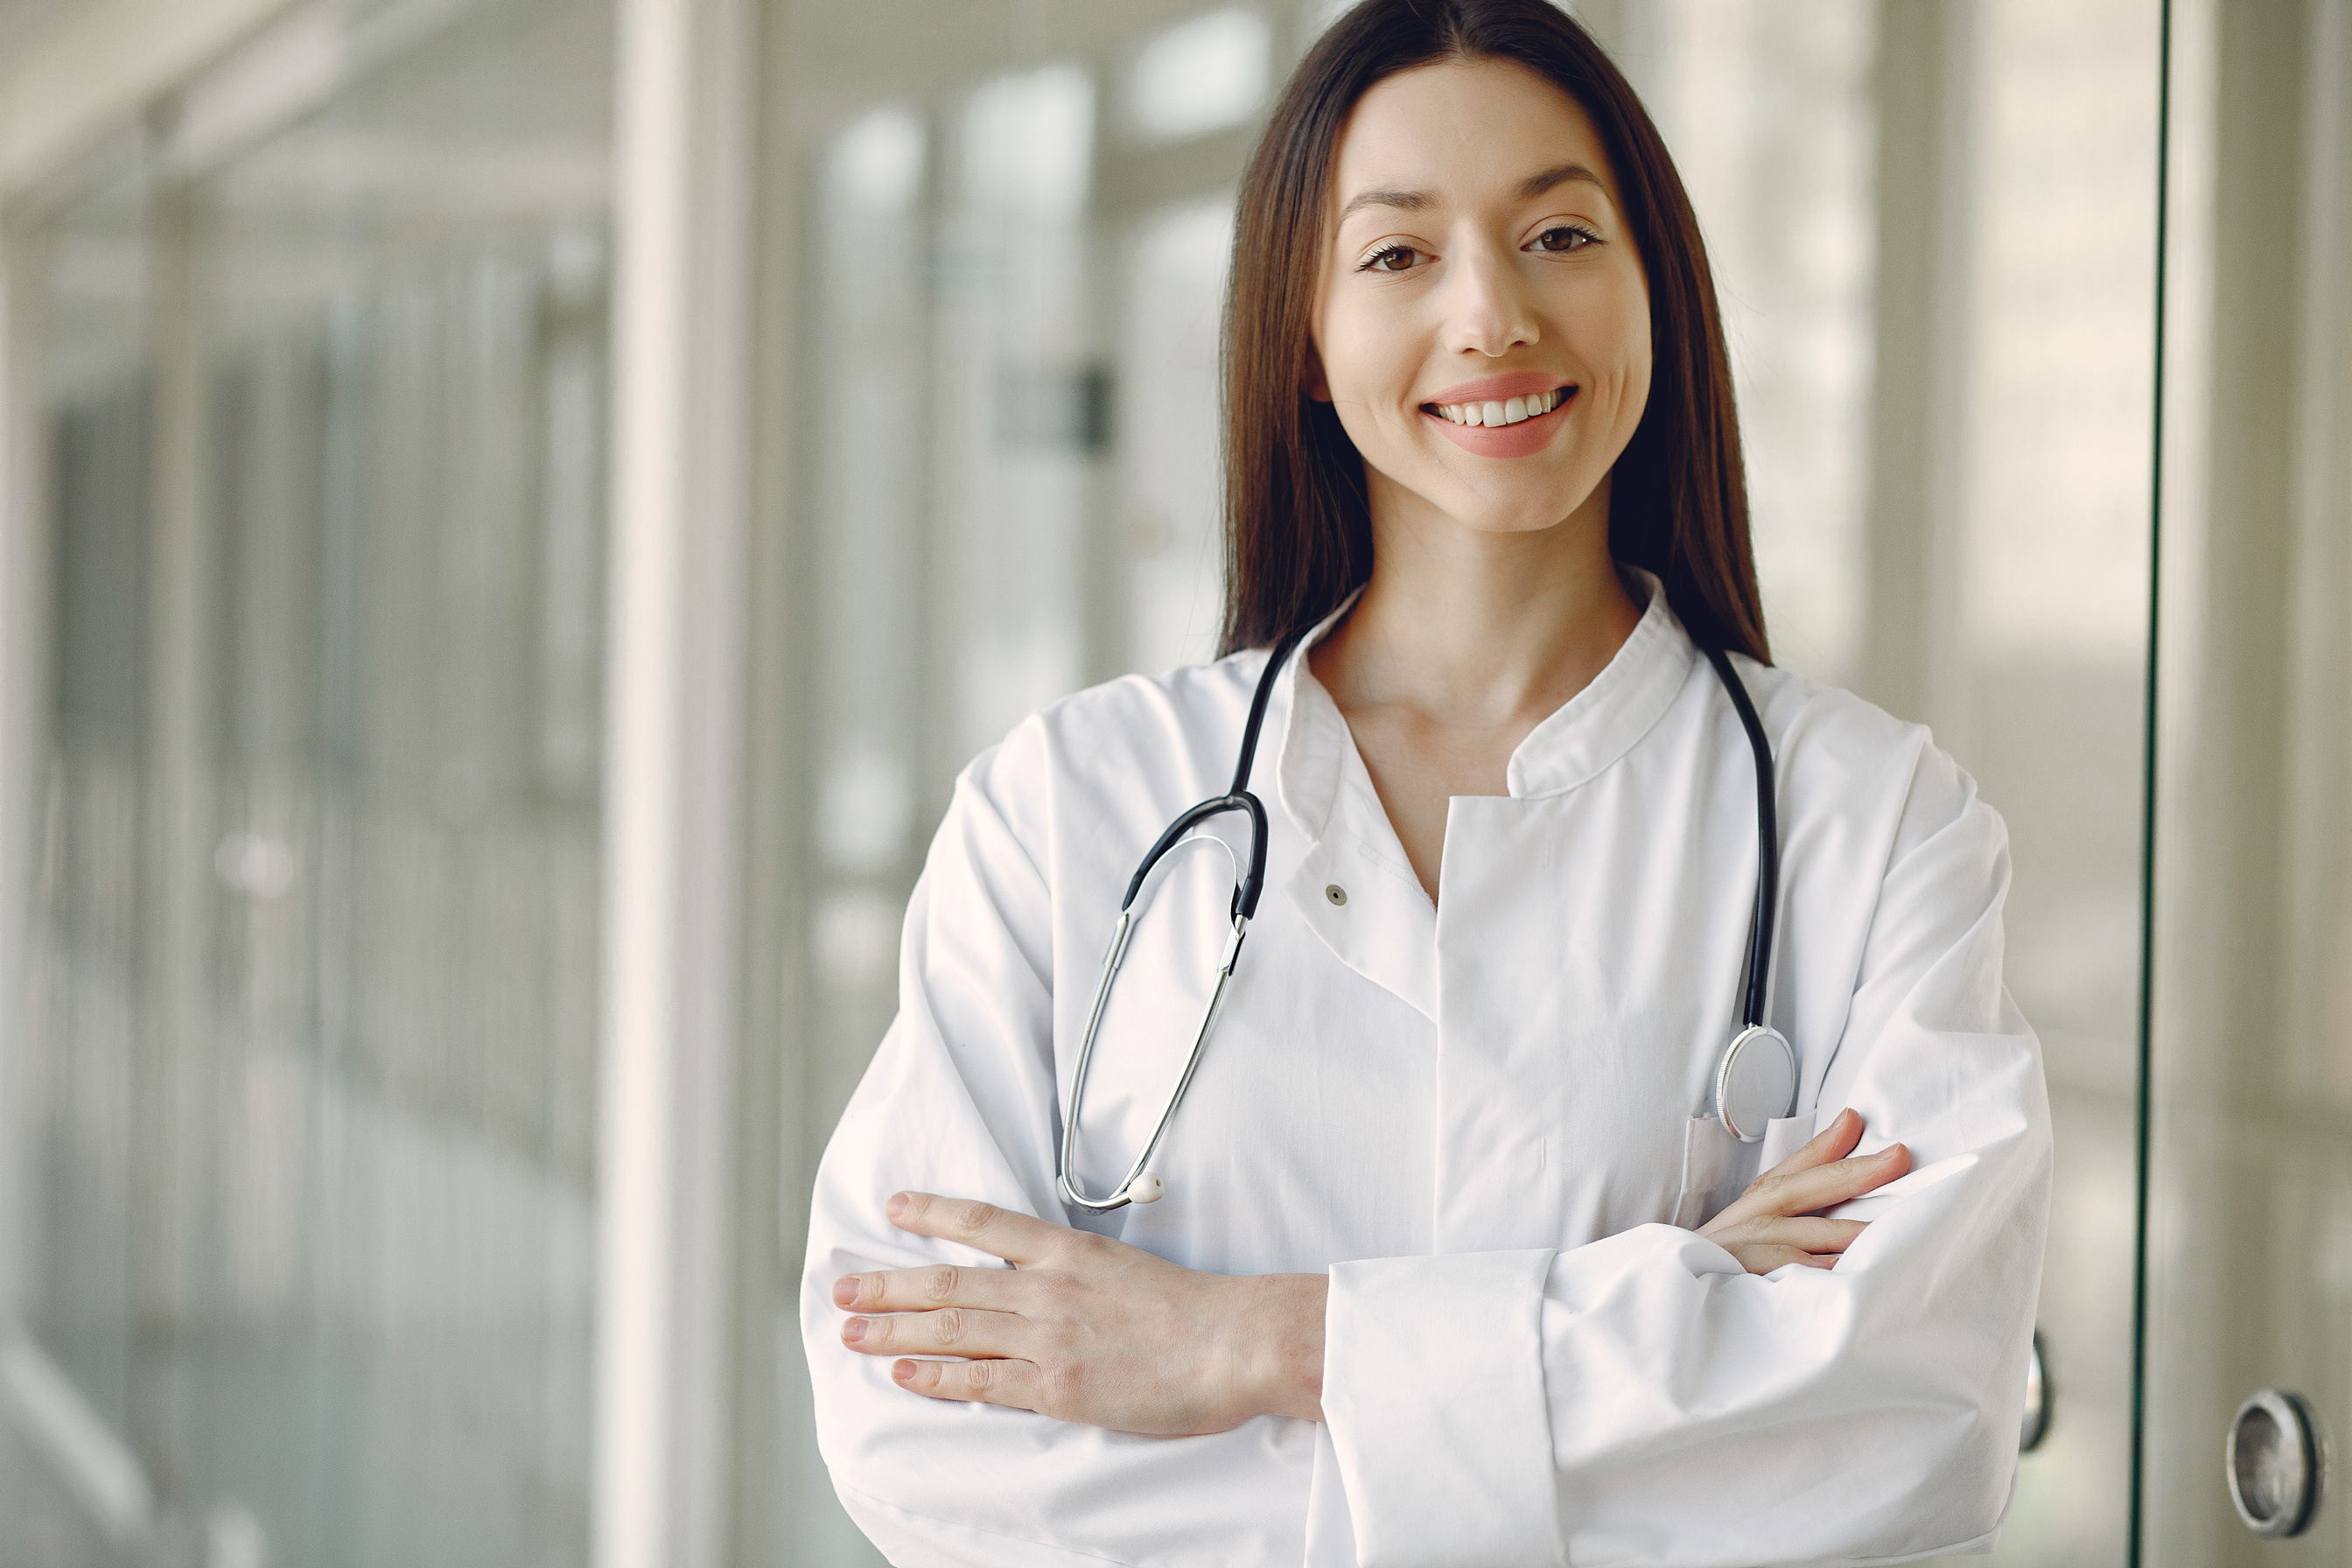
column 1455, row 1260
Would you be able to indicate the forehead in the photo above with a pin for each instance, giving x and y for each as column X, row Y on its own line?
column 1462, row 131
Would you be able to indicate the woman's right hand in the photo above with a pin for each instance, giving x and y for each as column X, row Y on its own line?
column 1776, row 1220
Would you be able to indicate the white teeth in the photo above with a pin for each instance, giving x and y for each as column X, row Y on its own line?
column 1515, row 411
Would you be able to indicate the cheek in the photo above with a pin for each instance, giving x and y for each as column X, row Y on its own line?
column 1358, row 347
column 1614, row 337
column 1635, row 372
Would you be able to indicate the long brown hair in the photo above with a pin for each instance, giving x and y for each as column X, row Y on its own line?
column 1297, row 522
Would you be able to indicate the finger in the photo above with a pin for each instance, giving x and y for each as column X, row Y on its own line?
column 952, row 1331
column 1824, row 1186
column 926, row 1290
column 1834, row 1141
column 1759, row 1258
column 1016, row 1237
column 1806, row 1232
column 1013, row 1383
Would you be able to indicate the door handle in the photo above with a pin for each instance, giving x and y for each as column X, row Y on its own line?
column 2036, row 1424
column 2271, row 1462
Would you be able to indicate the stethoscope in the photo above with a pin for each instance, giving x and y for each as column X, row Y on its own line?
column 1755, row 1081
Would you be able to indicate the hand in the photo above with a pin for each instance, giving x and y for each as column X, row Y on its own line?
column 1087, row 1329
column 1776, row 1221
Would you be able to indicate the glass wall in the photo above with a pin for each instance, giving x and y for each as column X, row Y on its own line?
column 2249, row 1204
column 1934, row 229
column 311, row 1029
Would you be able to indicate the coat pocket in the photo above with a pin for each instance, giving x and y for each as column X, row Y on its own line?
column 1783, row 1136
column 1716, row 1167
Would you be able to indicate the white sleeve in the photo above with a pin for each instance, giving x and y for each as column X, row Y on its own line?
column 1642, row 1399
column 959, row 1100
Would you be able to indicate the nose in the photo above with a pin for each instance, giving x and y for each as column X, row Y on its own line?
column 1485, row 305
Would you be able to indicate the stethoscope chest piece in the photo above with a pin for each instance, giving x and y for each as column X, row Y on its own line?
column 1756, row 1082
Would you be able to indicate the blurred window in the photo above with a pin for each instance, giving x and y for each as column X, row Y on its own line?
column 1201, row 75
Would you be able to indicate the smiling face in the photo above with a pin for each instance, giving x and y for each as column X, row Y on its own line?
column 1482, row 321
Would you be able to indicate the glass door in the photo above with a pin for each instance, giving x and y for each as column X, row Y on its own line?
column 2247, row 1387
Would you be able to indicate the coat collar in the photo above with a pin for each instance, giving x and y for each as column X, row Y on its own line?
column 1603, row 723
column 1354, row 886
column 1588, row 732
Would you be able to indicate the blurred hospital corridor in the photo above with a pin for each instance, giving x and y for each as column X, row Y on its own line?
column 515, row 513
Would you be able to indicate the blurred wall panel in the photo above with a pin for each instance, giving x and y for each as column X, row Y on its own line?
column 313, row 1024
column 2250, row 1198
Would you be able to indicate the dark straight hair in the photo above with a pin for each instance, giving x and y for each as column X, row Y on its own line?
column 1297, row 523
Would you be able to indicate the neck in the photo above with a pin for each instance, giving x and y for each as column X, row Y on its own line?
column 1473, row 627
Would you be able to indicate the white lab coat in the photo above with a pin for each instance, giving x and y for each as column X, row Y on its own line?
column 1486, row 1120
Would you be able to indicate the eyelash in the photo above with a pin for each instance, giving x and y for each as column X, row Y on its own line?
column 1586, row 236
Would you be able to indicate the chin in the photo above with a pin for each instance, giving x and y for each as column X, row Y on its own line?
column 1548, row 507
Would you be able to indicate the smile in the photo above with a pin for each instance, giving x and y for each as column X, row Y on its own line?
column 1507, row 411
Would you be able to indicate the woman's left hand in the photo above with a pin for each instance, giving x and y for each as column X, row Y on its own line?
column 1087, row 1329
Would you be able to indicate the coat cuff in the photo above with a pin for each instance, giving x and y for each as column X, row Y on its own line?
column 1434, row 1389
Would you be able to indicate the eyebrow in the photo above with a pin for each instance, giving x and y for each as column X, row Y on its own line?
column 1534, row 185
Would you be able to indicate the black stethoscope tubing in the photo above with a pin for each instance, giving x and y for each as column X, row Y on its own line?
column 1767, row 843
column 1238, row 798
column 1138, row 1185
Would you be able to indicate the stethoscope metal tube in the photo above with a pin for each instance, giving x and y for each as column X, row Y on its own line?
column 1139, row 1185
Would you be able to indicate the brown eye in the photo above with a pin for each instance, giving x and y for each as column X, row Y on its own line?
column 1563, row 238
column 1395, row 258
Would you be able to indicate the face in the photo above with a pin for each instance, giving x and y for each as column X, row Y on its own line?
column 1481, row 323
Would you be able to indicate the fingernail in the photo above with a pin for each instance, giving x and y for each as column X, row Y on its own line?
column 1889, row 1153
column 854, row 1331
column 902, row 1369
column 845, row 1291
column 897, row 1206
